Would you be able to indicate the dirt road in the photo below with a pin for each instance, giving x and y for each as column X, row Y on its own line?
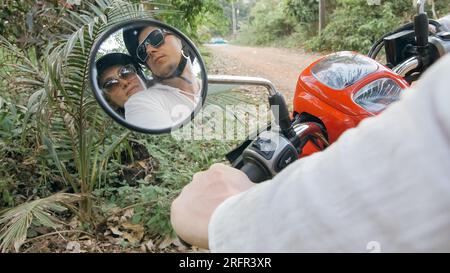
column 281, row 66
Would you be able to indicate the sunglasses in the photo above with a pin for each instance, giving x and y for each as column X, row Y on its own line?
column 154, row 39
column 125, row 72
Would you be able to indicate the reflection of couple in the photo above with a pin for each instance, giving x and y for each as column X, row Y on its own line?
column 169, row 98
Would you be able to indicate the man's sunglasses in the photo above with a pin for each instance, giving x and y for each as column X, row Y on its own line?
column 154, row 39
column 125, row 72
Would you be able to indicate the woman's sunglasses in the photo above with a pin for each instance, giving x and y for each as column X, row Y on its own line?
column 154, row 39
column 125, row 73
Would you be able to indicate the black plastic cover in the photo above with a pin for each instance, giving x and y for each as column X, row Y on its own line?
column 341, row 70
column 287, row 157
column 395, row 46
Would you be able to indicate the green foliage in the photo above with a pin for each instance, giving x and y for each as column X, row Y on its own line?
column 16, row 154
column 215, row 23
column 354, row 25
column 305, row 11
column 52, row 123
column 69, row 138
column 190, row 15
column 177, row 162
column 32, row 25
column 267, row 23
column 20, row 145
column 151, row 205
column 74, row 132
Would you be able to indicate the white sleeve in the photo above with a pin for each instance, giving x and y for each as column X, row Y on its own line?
column 384, row 185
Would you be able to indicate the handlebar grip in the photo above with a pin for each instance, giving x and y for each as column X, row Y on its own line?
column 421, row 29
column 254, row 172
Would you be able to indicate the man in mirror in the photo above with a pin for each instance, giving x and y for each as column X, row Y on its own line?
column 166, row 56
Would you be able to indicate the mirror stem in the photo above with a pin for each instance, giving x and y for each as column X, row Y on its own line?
column 275, row 98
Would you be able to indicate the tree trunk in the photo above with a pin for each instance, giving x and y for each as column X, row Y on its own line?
column 433, row 8
column 322, row 15
column 233, row 14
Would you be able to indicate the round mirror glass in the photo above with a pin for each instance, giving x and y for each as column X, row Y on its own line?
column 148, row 76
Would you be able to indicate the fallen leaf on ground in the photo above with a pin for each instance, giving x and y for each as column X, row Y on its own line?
column 130, row 238
column 143, row 248
column 116, row 231
column 166, row 242
column 180, row 246
column 129, row 213
column 137, row 232
column 133, row 227
column 74, row 247
column 142, row 164
column 150, row 245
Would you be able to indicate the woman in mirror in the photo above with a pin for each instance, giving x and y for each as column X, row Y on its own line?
column 119, row 77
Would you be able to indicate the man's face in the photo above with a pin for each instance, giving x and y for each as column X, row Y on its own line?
column 162, row 61
column 120, row 92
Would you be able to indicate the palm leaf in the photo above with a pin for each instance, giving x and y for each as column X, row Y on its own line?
column 16, row 221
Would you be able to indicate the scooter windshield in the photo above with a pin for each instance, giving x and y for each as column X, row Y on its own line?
column 341, row 70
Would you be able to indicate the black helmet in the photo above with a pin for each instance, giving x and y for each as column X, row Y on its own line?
column 130, row 37
column 111, row 59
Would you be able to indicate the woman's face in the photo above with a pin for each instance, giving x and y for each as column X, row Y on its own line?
column 120, row 92
column 163, row 60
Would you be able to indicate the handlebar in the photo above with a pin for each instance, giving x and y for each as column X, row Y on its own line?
column 255, row 173
column 407, row 66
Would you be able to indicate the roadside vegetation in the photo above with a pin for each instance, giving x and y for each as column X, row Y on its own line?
column 351, row 24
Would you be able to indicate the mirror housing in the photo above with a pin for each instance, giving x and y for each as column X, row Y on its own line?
column 157, row 93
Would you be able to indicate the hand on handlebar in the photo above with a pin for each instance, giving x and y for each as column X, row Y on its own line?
column 191, row 211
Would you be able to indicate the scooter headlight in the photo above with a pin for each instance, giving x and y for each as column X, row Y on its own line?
column 378, row 95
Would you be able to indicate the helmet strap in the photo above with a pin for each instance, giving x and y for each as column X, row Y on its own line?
column 179, row 71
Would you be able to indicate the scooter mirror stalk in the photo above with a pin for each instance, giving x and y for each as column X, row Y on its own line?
column 421, row 6
column 421, row 31
column 281, row 113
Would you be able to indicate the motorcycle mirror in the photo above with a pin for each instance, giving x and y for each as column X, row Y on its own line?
column 147, row 76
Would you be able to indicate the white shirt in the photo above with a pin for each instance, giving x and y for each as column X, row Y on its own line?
column 158, row 107
column 384, row 185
